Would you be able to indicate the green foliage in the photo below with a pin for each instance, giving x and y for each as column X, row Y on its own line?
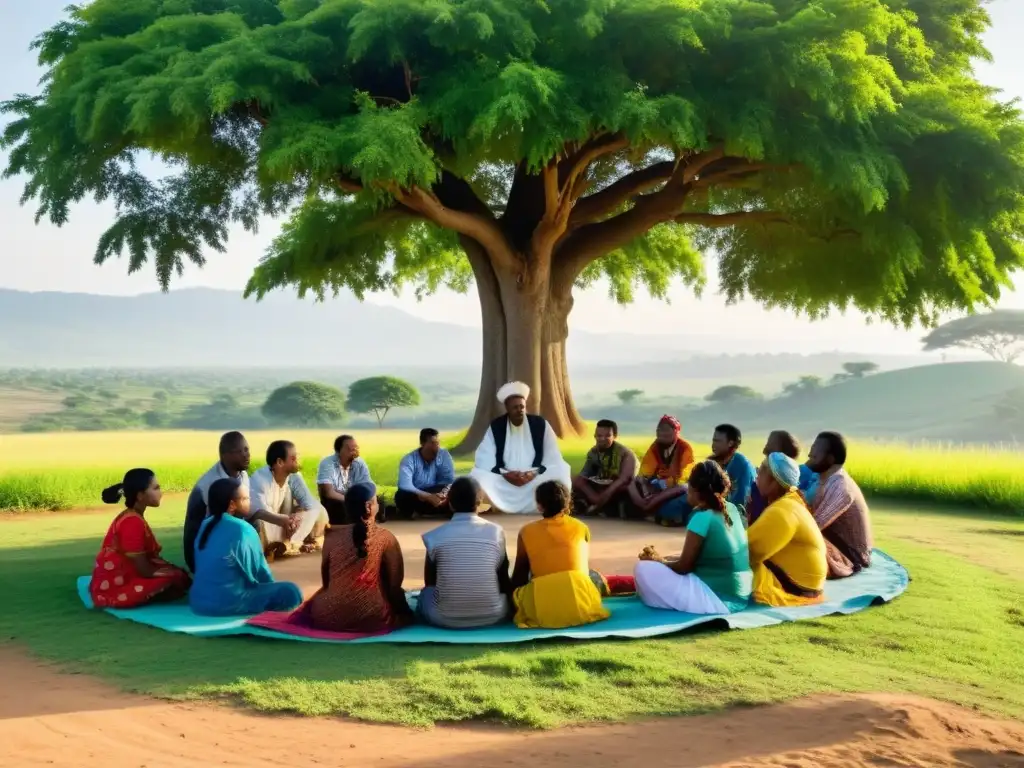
column 860, row 370
column 732, row 393
column 306, row 403
column 629, row 396
column 999, row 334
column 380, row 394
column 836, row 153
column 804, row 386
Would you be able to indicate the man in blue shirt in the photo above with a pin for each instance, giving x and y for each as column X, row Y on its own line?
column 725, row 446
column 424, row 477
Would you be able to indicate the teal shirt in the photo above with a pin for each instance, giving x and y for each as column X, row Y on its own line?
column 724, row 560
column 227, row 568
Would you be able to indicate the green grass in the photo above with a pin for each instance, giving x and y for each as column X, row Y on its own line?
column 955, row 635
column 61, row 471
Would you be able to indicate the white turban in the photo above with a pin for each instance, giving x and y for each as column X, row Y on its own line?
column 513, row 389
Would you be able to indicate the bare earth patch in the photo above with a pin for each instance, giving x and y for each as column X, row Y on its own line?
column 72, row 720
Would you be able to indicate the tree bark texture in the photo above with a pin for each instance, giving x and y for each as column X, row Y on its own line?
column 525, row 329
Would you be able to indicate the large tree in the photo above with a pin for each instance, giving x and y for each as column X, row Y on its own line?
column 828, row 153
column 999, row 334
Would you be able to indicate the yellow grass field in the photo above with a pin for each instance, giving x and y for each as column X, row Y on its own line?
column 66, row 470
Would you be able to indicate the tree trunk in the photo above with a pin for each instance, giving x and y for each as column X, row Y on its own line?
column 525, row 327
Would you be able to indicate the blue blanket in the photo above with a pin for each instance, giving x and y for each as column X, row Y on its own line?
column 883, row 581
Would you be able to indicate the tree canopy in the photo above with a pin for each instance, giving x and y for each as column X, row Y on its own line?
column 829, row 153
column 379, row 394
column 731, row 393
column 629, row 396
column 307, row 403
column 999, row 334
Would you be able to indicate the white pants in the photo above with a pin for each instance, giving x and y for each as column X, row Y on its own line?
column 519, row 499
column 658, row 586
column 307, row 521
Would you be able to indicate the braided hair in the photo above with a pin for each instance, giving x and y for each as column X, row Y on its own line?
column 220, row 495
column 357, row 499
column 711, row 484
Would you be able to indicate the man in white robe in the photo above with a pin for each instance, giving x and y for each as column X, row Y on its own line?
column 518, row 453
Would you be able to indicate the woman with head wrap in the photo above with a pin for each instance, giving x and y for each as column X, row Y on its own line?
column 362, row 571
column 663, row 469
column 129, row 571
column 787, row 551
column 712, row 574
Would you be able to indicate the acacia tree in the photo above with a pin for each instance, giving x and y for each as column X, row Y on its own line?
column 305, row 402
column 829, row 153
column 732, row 393
column 999, row 334
column 380, row 394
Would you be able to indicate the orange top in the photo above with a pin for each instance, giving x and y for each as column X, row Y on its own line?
column 675, row 471
column 556, row 544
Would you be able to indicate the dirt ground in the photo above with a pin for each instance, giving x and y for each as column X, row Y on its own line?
column 48, row 718
column 71, row 720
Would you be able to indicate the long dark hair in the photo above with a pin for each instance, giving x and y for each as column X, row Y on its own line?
column 220, row 496
column 356, row 499
column 553, row 498
column 135, row 482
column 711, row 484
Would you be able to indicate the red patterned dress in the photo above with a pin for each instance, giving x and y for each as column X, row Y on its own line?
column 116, row 582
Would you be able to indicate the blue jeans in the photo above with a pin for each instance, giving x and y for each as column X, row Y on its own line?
column 675, row 512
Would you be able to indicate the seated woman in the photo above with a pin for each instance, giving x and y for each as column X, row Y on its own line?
column 129, row 571
column 362, row 571
column 232, row 576
column 712, row 575
column 787, row 551
column 663, row 470
column 551, row 578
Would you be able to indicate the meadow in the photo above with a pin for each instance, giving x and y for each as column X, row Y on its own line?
column 59, row 471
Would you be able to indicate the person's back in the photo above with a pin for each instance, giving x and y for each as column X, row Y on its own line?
column 786, row 537
column 468, row 553
column 724, row 560
column 222, row 578
column 556, row 544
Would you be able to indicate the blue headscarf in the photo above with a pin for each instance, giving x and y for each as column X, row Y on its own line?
column 784, row 470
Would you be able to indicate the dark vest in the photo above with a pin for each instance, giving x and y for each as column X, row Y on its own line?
column 499, row 429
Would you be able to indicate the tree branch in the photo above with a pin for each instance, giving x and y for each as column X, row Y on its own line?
column 471, row 217
column 593, row 207
column 717, row 220
column 347, row 184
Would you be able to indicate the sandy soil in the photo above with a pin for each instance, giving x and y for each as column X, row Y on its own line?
column 67, row 720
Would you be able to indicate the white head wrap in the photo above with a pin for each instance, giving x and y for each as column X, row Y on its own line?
column 513, row 389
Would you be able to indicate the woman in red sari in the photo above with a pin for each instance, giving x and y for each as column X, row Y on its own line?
column 129, row 571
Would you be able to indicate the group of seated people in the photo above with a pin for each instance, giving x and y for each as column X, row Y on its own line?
column 771, row 536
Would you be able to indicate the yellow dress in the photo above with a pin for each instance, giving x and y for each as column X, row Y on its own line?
column 560, row 593
column 787, row 555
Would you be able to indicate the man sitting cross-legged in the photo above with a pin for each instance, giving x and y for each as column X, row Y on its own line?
column 424, row 476
column 839, row 508
column 279, row 489
column 234, row 464
column 663, row 470
column 339, row 472
column 602, row 486
column 519, row 452
column 466, row 570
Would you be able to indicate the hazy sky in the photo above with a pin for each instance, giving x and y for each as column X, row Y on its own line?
column 44, row 257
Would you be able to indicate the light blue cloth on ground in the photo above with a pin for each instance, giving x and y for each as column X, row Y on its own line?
column 232, row 576
column 885, row 580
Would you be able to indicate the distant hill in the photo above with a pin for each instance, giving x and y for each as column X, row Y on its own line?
column 954, row 401
column 206, row 328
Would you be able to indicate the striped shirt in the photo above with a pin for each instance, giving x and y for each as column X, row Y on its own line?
column 467, row 552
